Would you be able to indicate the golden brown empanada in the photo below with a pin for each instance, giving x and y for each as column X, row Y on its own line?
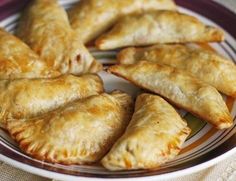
column 17, row 60
column 90, row 18
column 28, row 98
column 45, row 27
column 81, row 132
column 180, row 88
column 158, row 27
column 154, row 136
column 206, row 65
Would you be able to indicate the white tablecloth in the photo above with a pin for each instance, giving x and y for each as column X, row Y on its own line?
column 224, row 171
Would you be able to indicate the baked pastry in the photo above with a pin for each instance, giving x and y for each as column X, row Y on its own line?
column 25, row 98
column 154, row 136
column 180, row 88
column 90, row 18
column 45, row 27
column 206, row 65
column 79, row 133
column 17, row 60
column 158, row 27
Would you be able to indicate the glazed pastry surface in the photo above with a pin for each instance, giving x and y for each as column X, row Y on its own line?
column 206, row 65
column 180, row 88
column 90, row 18
column 79, row 133
column 25, row 98
column 154, row 136
column 45, row 27
column 158, row 27
column 17, row 60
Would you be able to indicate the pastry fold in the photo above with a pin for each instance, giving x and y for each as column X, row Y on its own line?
column 79, row 133
column 25, row 98
column 180, row 88
column 158, row 27
column 206, row 65
column 154, row 136
column 45, row 27
column 90, row 18
column 17, row 60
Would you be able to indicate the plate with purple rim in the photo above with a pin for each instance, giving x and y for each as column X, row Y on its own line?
column 205, row 147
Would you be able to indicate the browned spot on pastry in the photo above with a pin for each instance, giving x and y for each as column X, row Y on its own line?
column 127, row 163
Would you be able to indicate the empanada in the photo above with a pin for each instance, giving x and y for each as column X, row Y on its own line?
column 206, row 65
column 154, row 136
column 17, row 60
column 81, row 132
column 158, row 27
column 90, row 18
column 28, row 98
column 180, row 88
column 45, row 27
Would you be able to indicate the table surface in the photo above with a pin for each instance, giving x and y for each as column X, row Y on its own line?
column 224, row 171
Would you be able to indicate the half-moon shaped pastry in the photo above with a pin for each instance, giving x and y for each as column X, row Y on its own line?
column 81, row 132
column 154, row 136
column 45, row 27
column 158, row 27
column 25, row 98
column 206, row 65
column 180, row 88
column 17, row 60
column 90, row 18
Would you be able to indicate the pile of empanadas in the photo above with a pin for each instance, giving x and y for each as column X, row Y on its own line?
column 54, row 106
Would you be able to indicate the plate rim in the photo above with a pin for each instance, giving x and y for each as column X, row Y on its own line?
column 195, row 7
column 175, row 174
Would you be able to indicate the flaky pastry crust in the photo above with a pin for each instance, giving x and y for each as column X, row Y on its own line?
column 154, row 136
column 180, row 88
column 17, row 60
column 90, row 18
column 158, row 27
column 79, row 133
column 25, row 98
column 206, row 65
column 45, row 27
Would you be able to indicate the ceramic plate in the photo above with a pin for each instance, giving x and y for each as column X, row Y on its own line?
column 205, row 146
